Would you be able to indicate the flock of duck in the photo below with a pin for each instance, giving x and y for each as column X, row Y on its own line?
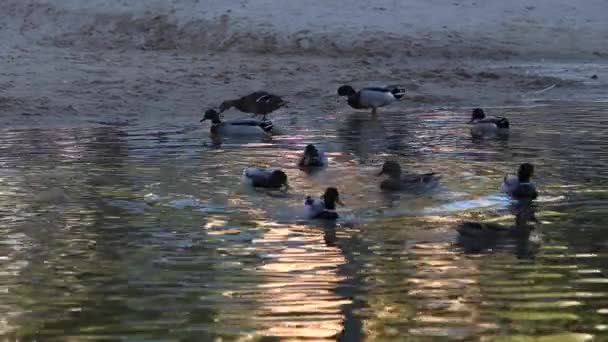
column 261, row 103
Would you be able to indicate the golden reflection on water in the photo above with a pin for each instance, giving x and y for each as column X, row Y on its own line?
column 300, row 274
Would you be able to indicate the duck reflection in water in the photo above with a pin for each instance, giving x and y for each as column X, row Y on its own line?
column 476, row 237
column 363, row 136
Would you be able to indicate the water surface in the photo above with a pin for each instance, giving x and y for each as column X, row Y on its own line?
column 145, row 233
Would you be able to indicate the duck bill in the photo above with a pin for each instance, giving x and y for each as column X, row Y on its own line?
column 203, row 119
column 338, row 201
column 380, row 173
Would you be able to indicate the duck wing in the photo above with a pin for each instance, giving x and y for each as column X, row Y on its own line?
column 314, row 207
column 269, row 102
column 375, row 97
column 395, row 90
column 509, row 184
column 525, row 191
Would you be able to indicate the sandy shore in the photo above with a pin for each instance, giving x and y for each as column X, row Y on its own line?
column 67, row 63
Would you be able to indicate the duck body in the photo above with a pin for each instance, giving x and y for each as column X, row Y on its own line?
column 243, row 127
column 520, row 187
column 473, row 229
column 371, row 97
column 312, row 158
column 483, row 125
column 512, row 186
column 315, row 209
column 325, row 207
column 397, row 181
column 411, row 182
column 256, row 103
column 264, row 178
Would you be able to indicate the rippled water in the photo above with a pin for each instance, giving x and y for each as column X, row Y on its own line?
column 146, row 234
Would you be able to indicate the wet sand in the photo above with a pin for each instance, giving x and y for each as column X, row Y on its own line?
column 68, row 63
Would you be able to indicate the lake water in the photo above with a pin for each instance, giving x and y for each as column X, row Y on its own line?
column 143, row 233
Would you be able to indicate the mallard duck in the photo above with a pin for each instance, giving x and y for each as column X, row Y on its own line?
column 265, row 178
column 237, row 127
column 325, row 207
column 483, row 125
column 312, row 157
column 491, row 230
column 371, row 97
column 256, row 103
column 475, row 237
column 398, row 181
column 520, row 187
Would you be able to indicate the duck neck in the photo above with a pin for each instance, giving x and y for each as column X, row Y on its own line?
column 231, row 103
column 330, row 204
column 523, row 179
column 395, row 174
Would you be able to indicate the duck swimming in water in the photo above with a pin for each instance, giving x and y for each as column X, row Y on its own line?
column 244, row 127
column 256, row 103
column 325, row 207
column 397, row 181
column 483, row 125
column 312, row 157
column 371, row 97
column 265, row 178
column 521, row 187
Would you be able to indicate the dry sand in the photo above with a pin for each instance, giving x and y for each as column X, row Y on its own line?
column 158, row 62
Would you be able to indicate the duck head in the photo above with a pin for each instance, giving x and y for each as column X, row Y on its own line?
column 391, row 168
column 477, row 114
column 211, row 114
column 331, row 197
column 525, row 172
column 346, row 90
column 278, row 179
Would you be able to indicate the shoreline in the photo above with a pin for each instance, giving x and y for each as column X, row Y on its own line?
column 127, row 85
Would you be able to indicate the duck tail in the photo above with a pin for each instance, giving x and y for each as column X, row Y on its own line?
column 502, row 123
column 398, row 92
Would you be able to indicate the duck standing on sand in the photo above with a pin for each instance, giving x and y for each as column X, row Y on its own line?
column 397, row 181
column 483, row 125
column 245, row 127
column 371, row 97
column 265, row 178
column 312, row 157
column 325, row 207
column 521, row 187
column 256, row 103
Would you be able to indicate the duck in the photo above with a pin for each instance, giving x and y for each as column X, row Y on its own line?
column 325, row 206
column 484, row 125
column 477, row 237
column 397, row 181
column 257, row 103
column 241, row 127
column 476, row 229
column 371, row 97
column 312, row 157
column 265, row 178
column 520, row 187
